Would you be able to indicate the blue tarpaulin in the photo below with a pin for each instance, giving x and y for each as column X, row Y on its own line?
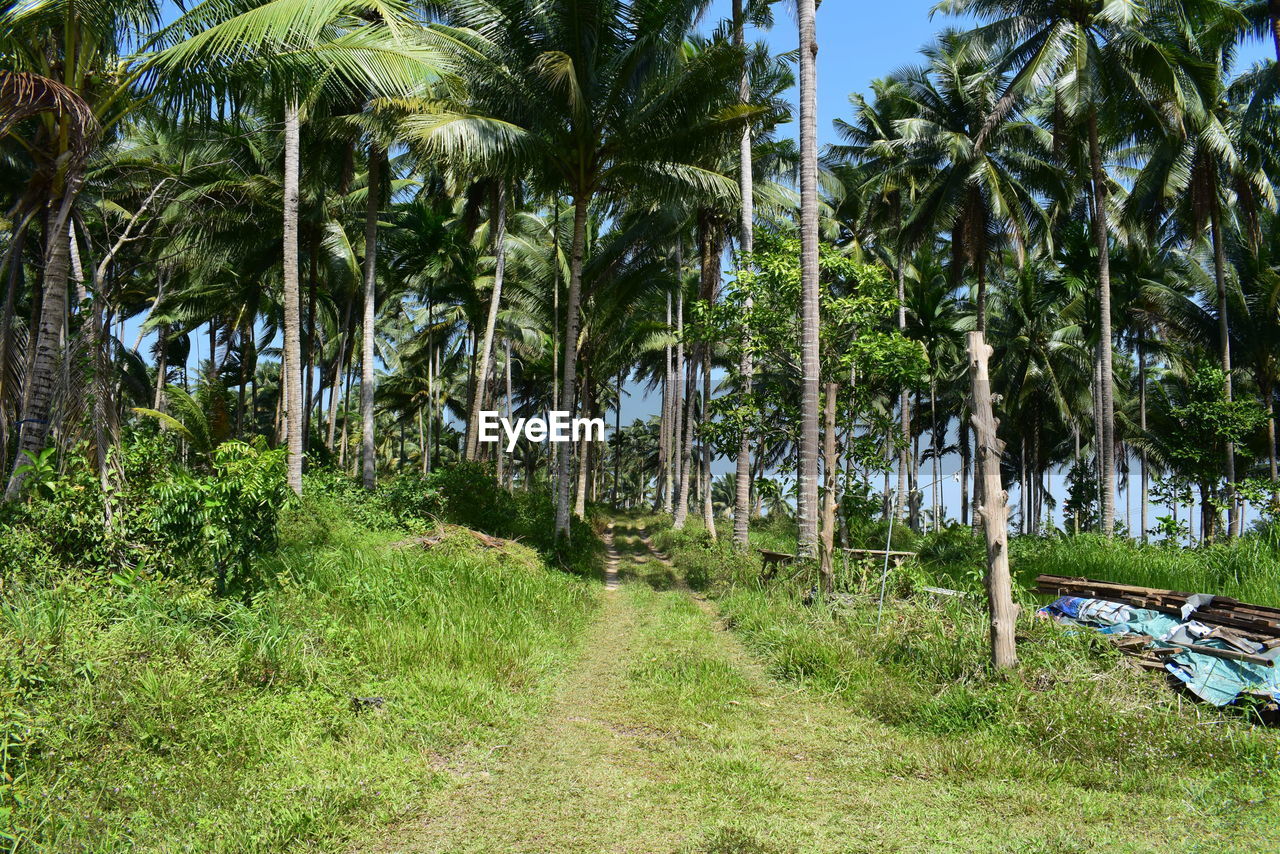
column 1215, row 680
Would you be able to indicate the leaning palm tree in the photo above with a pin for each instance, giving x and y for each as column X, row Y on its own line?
column 595, row 99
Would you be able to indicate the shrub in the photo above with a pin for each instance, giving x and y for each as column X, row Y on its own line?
column 225, row 520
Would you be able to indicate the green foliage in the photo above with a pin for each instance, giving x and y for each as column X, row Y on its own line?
column 1207, row 422
column 857, row 336
column 1247, row 568
column 223, row 521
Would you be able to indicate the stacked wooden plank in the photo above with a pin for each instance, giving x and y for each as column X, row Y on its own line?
column 1258, row 622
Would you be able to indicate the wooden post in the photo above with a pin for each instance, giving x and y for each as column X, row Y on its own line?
column 993, row 510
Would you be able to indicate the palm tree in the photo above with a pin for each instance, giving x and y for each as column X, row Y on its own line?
column 1201, row 168
column 594, row 98
column 307, row 48
column 807, row 507
column 1102, row 63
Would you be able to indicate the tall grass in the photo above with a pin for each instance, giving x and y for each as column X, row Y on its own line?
column 149, row 715
column 1247, row 569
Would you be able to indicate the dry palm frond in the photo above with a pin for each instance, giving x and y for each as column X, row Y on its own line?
column 23, row 95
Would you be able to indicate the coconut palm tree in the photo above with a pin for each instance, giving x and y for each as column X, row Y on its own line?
column 594, row 99
column 306, row 49
column 1101, row 63
column 807, row 506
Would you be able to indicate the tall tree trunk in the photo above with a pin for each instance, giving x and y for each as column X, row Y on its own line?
column 1142, row 426
column 16, row 269
column 585, row 455
column 936, row 486
column 809, row 312
column 339, row 361
column 683, row 418
column 964, row 471
column 581, row 202
column 617, row 441
column 491, row 323
column 670, row 415
column 746, row 368
column 47, row 352
column 367, row 374
column 993, row 510
column 1101, row 235
column 1224, row 344
column 292, row 379
column 829, row 470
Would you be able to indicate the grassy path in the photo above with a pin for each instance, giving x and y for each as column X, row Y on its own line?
column 669, row 737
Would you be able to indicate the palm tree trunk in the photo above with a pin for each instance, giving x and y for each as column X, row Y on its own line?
column 964, row 471
column 16, row 271
column 367, row 377
column 292, row 379
column 829, row 470
column 1224, row 344
column 33, row 428
column 746, row 369
column 670, row 415
column 585, row 456
column 339, row 363
column 617, row 442
column 1142, row 426
column 809, row 314
column 495, row 300
column 683, row 416
column 581, row 202
column 708, row 508
column 933, row 444
column 1106, row 452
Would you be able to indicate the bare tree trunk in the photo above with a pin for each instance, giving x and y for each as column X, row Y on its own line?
column 708, row 506
column 292, row 379
column 495, row 300
column 686, row 449
column 367, row 374
column 1224, row 344
column 1142, row 426
column 1106, row 395
column 964, row 471
column 994, row 511
column 746, row 368
column 339, row 362
column 570, row 376
column 670, row 415
column 829, row 470
column 809, row 311
column 933, row 443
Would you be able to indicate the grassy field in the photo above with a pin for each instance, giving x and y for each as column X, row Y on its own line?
column 1072, row 715
column 674, row 734
column 152, row 716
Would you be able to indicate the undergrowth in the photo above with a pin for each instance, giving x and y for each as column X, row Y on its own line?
column 139, row 710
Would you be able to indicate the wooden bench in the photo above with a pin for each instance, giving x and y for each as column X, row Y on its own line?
column 895, row 557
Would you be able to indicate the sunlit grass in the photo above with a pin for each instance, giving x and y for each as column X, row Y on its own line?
column 156, row 717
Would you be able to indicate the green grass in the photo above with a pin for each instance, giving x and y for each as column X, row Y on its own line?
column 156, row 717
column 1247, row 569
column 1072, row 715
column 789, row 735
